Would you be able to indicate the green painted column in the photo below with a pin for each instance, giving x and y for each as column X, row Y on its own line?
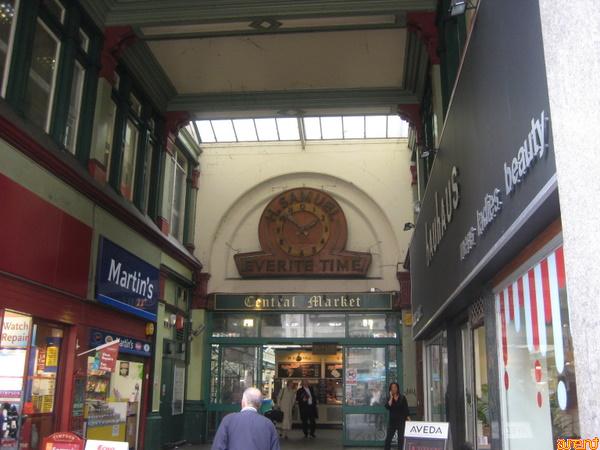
column 153, row 435
column 194, row 429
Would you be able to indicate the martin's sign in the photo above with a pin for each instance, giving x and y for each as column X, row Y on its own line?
column 128, row 345
column 126, row 282
column 303, row 232
column 426, row 435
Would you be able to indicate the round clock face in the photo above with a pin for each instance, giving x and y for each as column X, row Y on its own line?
column 302, row 229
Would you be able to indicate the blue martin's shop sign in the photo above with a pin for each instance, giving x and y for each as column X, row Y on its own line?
column 126, row 282
column 126, row 344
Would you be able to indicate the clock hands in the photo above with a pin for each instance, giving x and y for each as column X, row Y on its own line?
column 291, row 219
column 304, row 229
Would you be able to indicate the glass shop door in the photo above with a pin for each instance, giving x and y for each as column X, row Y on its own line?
column 365, row 392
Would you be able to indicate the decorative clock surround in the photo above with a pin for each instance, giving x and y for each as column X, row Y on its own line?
column 303, row 232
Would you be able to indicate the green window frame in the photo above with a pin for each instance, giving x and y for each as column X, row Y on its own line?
column 135, row 169
column 66, row 73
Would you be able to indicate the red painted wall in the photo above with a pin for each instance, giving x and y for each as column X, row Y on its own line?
column 42, row 243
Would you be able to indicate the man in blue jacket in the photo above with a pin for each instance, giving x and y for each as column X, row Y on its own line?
column 247, row 430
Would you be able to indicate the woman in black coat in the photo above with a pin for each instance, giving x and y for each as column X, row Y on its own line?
column 398, row 408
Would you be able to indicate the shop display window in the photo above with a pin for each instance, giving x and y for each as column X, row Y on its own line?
column 437, row 378
column 538, row 395
column 234, row 325
column 365, row 376
column 372, row 325
column 326, row 325
column 112, row 401
column 282, row 325
column 29, row 369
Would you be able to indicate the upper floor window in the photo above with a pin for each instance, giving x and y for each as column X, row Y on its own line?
column 41, row 79
column 178, row 190
column 130, row 149
column 7, row 33
column 130, row 146
column 44, row 64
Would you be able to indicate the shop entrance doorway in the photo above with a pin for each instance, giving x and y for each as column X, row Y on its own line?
column 349, row 373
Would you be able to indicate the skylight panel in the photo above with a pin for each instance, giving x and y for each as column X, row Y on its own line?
column 206, row 131
column 245, row 130
column 376, row 126
column 288, row 129
column 267, row 129
column 224, row 131
column 397, row 127
column 332, row 127
column 354, row 127
column 312, row 127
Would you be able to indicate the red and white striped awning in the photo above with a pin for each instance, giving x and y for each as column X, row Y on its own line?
column 536, row 292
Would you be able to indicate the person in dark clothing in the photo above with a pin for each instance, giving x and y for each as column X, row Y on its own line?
column 398, row 408
column 247, row 429
column 307, row 403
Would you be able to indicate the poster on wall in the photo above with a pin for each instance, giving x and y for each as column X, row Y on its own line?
column 351, row 377
column 334, row 371
column 299, row 370
column 178, row 389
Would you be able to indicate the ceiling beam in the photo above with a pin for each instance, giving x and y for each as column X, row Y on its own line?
column 139, row 13
column 293, row 102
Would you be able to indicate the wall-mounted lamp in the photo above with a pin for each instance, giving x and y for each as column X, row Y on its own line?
column 408, row 226
column 428, row 152
column 458, row 7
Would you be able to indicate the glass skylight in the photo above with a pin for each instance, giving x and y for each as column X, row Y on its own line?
column 313, row 129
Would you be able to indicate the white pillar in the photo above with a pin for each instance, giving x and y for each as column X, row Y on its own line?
column 571, row 36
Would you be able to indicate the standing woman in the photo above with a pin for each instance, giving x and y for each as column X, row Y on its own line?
column 398, row 408
column 286, row 401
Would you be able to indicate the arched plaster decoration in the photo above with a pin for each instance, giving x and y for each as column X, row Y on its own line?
column 237, row 230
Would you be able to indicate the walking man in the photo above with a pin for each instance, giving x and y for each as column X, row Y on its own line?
column 307, row 403
column 247, row 430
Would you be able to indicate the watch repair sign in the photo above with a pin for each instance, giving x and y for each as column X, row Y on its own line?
column 426, row 436
column 303, row 232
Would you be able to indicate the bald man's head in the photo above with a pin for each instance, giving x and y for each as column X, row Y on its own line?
column 252, row 397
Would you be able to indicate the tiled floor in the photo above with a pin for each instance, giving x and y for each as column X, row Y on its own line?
column 326, row 440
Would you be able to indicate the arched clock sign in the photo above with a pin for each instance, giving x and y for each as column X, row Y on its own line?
column 303, row 232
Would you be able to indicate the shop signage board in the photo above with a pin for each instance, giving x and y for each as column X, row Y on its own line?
column 63, row 441
column 304, row 302
column 106, row 358
column 334, row 370
column 92, row 444
column 426, row 436
column 127, row 345
column 298, row 370
column 324, row 348
column 15, row 330
column 303, row 233
column 125, row 281
column 493, row 184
